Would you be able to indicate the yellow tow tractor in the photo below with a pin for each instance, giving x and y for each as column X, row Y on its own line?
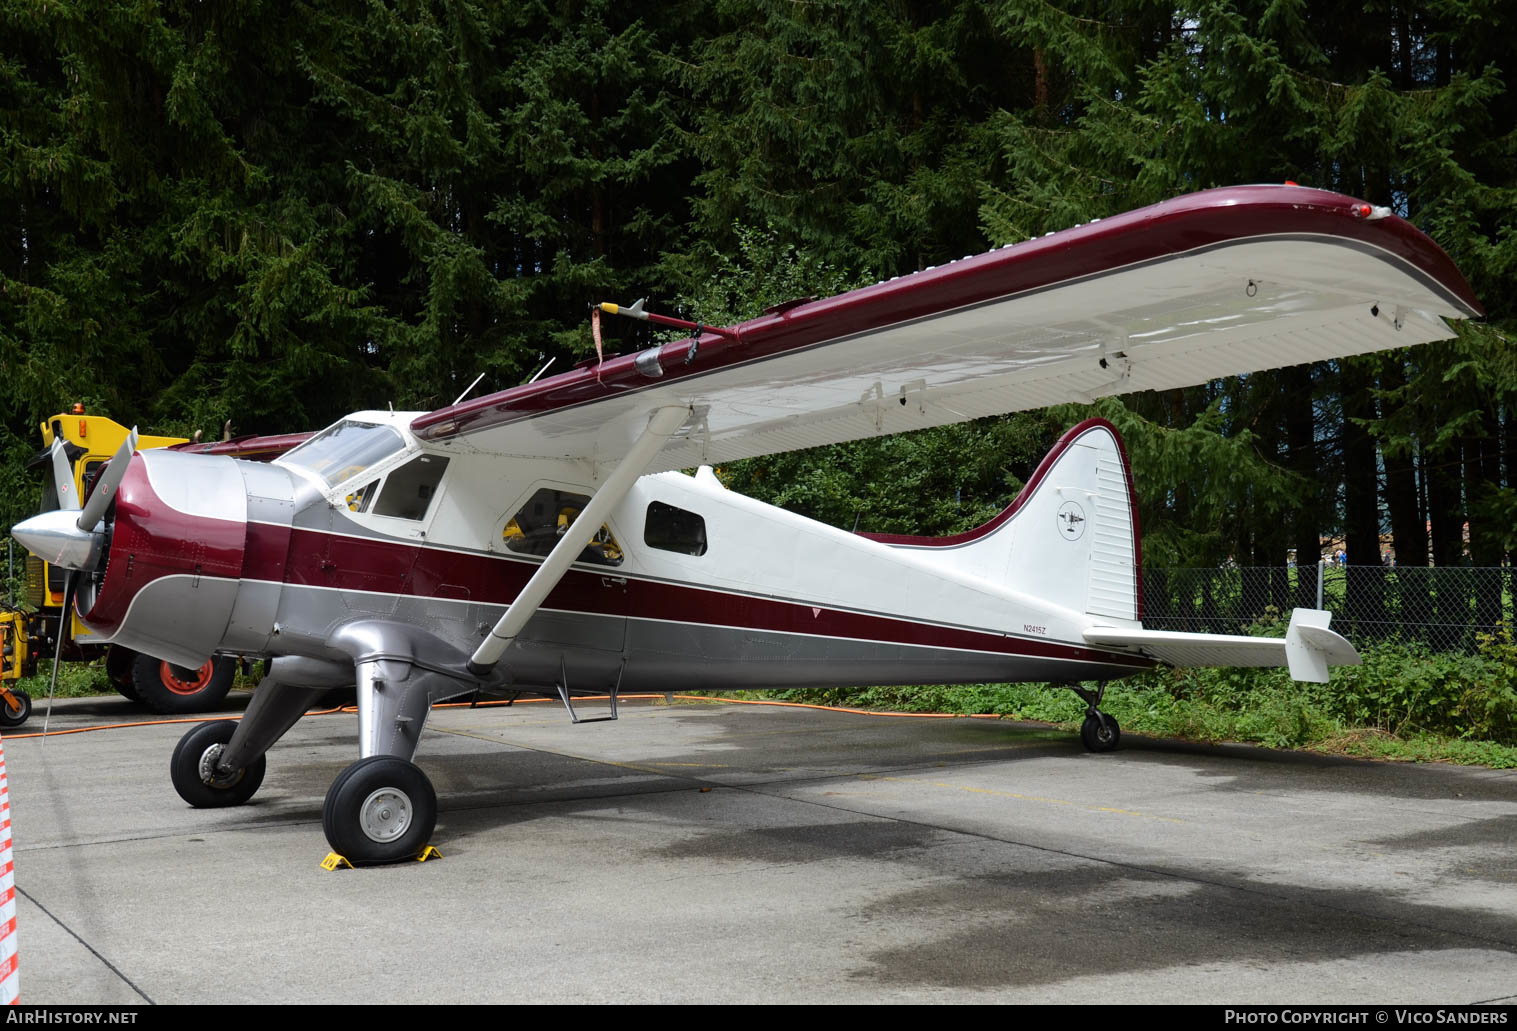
column 40, row 629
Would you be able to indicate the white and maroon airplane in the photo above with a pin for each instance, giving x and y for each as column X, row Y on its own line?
column 542, row 539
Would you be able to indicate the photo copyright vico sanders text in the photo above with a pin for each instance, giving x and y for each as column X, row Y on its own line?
column 1390, row 1015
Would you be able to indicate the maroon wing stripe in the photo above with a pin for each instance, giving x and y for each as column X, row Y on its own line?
column 1199, row 220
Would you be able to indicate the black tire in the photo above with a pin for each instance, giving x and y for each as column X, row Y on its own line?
column 172, row 690
column 379, row 810
column 1099, row 738
column 15, row 719
column 118, row 669
column 193, row 758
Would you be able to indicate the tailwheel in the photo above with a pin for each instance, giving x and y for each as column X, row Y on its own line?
column 196, row 778
column 379, row 810
column 1100, row 732
column 14, row 709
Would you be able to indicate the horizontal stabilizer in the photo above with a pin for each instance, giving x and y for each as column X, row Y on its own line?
column 1308, row 647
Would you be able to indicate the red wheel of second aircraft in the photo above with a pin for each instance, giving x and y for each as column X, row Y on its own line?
column 169, row 689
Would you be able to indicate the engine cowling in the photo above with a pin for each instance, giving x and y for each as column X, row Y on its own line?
column 175, row 557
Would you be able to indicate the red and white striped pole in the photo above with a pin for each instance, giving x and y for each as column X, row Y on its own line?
column 10, row 976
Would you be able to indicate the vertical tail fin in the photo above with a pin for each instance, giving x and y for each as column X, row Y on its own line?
column 1070, row 537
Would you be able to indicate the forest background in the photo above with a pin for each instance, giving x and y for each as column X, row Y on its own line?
column 276, row 213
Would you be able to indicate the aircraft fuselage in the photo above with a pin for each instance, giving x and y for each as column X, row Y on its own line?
column 215, row 554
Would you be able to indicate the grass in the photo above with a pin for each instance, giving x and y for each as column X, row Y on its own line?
column 75, row 680
column 1403, row 704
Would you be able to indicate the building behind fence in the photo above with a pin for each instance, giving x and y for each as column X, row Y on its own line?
column 1446, row 608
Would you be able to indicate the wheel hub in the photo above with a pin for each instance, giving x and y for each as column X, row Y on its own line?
column 385, row 814
column 184, row 680
column 208, row 760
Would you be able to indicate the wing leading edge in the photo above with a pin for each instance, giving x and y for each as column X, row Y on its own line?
column 1211, row 284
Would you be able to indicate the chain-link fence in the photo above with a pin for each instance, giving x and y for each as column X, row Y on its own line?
column 1448, row 608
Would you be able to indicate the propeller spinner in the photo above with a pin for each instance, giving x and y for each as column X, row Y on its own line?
column 70, row 537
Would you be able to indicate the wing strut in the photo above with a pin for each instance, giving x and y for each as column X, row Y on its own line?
column 661, row 427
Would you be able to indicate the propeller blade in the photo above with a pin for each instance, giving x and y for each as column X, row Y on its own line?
column 105, row 487
column 63, row 478
column 65, row 621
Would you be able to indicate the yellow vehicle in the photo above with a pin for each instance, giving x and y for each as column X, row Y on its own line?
column 15, row 706
column 38, row 630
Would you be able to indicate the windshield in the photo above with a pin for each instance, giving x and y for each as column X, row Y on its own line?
column 345, row 450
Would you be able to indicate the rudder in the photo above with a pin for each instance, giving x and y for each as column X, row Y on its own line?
column 1070, row 537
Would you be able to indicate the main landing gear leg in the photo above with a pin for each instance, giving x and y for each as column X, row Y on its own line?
column 1099, row 732
column 383, row 809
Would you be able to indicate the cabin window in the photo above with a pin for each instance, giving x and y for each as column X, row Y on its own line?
column 343, row 451
column 408, row 490
column 537, row 526
column 674, row 529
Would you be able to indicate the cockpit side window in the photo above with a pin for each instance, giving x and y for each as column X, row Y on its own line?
column 537, row 525
column 343, row 451
column 408, row 490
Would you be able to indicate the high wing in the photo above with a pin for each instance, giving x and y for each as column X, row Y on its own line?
column 1211, row 284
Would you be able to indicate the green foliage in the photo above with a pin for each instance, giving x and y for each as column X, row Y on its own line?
column 75, row 680
column 1404, row 702
column 857, row 131
column 1193, row 481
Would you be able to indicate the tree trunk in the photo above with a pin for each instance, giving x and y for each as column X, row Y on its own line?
column 1361, row 507
column 1301, row 457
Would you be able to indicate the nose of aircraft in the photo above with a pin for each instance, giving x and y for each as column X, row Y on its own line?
column 55, row 538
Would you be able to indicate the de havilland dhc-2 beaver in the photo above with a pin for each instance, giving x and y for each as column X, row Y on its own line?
column 543, row 538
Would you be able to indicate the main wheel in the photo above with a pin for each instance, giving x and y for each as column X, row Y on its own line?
column 379, row 810
column 171, row 690
column 1099, row 736
column 15, row 717
column 193, row 768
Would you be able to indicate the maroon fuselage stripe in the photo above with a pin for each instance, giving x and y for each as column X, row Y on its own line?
column 320, row 559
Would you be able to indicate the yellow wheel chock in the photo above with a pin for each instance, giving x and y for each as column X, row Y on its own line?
column 333, row 861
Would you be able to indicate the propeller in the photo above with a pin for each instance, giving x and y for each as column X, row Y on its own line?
column 63, row 478
column 72, row 542
column 105, row 487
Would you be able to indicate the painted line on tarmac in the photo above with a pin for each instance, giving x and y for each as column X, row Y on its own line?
column 87, row 946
